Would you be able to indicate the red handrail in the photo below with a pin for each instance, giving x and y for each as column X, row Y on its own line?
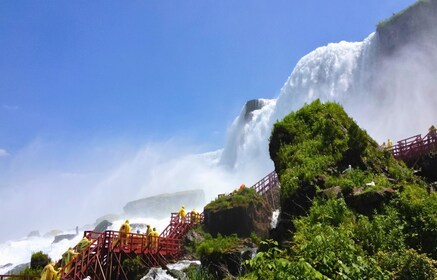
column 415, row 146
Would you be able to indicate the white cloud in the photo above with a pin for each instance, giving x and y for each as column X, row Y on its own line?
column 10, row 107
column 3, row 153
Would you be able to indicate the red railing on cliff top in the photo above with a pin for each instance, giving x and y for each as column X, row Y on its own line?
column 265, row 184
column 415, row 146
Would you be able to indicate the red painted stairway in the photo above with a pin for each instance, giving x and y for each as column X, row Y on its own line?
column 103, row 257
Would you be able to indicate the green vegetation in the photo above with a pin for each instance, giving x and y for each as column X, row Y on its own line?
column 239, row 198
column 197, row 273
column 312, row 149
column 38, row 261
column 334, row 243
column 219, row 244
column 135, row 268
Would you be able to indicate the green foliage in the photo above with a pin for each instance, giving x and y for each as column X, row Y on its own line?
column 311, row 149
column 255, row 238
column 408, row 265
column 384, row 232
column 317, row 139
column 273, row 264
column 330, row 212
column 418, row 209
column 238, row 198
column 28, row 271
column 134, row 268
column 39, row 260
column 198, row 273
column 219, row 244
column 332, row 251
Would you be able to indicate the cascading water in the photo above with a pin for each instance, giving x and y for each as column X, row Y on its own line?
column 391, row 96
column 331, row 73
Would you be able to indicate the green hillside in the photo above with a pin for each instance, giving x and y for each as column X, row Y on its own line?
column 380, row 223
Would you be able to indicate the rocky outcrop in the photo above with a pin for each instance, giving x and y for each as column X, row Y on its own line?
column 102, row 226
column 414, row 25
column 251, row 106
column 161, row 205
column 34, row 233
column 63, row 236
column 367, row 202
column 53, row 233
column 427, row 167
column 109, row 217
column 230, row 263
column 241, row 220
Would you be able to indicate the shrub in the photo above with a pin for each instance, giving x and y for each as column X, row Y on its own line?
column 134, row 268
column 39, row 260
column 237, row 198
column 219, row 244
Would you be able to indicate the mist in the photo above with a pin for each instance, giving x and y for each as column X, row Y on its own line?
column 42, row 195
column 47, row 185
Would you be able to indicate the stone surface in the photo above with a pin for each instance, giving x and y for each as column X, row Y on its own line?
column 367, row 202
column 161, row 206
column 34, row 233
column 255, row 218
column 63, row 236
column 102, row 226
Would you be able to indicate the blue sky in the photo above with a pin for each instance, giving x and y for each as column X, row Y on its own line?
column 79, row 72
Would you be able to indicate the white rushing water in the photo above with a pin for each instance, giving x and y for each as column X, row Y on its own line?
column 394, row 100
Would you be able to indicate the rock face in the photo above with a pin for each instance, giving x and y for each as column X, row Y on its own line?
column 161, row 206
column 102, row 226
column 413, row 25
column 251, row 106
column 255, row 218
column 63, row 236
column 53, row 232
column 367, row 202
column 229, row 264
column 34, row 233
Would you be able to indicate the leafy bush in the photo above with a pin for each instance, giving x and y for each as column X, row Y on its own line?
column 384, row 232
column 408, row 265
column 237, row 198
column 39, row 260
column 274, row 264
column 198, row 273
column 419, row 209
column 134, row 268
column 219, row 244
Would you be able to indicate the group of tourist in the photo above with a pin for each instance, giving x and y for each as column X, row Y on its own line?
column 52, row 271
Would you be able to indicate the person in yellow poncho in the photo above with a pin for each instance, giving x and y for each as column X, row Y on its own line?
column 195, row 217
column 148, row 236
column 155, row 236
column 67, row 257
column 49, row 272
column 83, row 244
column 124, row 232
column 182, row 213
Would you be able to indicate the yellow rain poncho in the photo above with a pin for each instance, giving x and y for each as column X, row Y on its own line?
column 67, row 257
column 124, row 232
column 195, row 217
column 154, row 235
column 83, row 244
column 182, row 213
column 49, row 272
